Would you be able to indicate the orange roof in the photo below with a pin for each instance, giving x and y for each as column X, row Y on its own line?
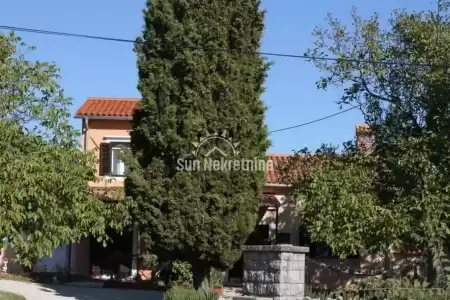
column 124, row 108
column 107, row 107
column 273, row 175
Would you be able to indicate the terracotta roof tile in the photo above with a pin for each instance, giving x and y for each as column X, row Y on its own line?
column 273, row 175
column 107, row 107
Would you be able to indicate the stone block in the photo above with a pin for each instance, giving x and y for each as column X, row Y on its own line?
column 287, row 256
column 274, row 265
column 271, row 256
column 249, row 288
column 285, row 265
column 256, row 276
column 282, row 289
column 263, row 289
column 294, row 276
column 275, row 271
column 273, row 277
column 299, row 256
column 253, row 298
column 296, row 290
column 255, row 265
column 298, row 265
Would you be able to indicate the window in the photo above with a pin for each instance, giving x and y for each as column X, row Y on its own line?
column 118, row 168
column 110, row 161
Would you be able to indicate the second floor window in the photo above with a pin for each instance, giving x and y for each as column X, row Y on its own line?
column 118, row 167
column 110, row 163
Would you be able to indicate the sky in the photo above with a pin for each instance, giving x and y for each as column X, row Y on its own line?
column 108, row 69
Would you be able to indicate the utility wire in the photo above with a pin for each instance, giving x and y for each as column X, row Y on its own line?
column 274, row 54
column 316, row 120
column 38, row 31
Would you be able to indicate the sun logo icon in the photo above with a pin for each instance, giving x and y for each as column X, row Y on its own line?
column 206, row 140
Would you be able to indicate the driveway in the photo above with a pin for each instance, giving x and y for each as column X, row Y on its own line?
column 34, row 291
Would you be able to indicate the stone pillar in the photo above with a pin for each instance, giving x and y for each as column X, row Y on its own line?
column 274, row 271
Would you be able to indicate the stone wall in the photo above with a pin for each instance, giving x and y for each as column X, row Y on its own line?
column 276, row 271
column 334, row 273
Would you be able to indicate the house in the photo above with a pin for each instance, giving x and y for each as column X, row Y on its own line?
column 106, row 124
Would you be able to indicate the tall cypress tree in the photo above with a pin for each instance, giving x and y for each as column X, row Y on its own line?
column 199, row 73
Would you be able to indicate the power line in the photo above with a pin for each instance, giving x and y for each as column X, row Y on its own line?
column 316, row 120
column 274, row 54
column 38, row 31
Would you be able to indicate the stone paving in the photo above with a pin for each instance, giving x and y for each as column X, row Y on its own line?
column 34, row 291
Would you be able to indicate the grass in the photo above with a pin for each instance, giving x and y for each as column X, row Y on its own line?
column 15, row 277
column 10, row 296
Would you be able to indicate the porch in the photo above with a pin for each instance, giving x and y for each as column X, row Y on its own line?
column 89, row 259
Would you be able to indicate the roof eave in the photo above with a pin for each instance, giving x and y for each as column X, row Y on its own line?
column 93, row 117
column 277, row 185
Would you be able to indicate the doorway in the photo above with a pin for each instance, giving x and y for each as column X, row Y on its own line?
column 113, row 260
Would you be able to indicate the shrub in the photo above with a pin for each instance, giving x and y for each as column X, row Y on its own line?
column 392, row 289
column 148, row 261
column 181, row 273
column 216, row 278
column 173, row 273
column 184, row 293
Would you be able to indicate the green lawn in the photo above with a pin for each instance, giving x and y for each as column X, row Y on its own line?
column 15, row 277
column 10, row 296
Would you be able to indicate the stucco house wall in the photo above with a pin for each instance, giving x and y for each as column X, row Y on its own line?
column 287, row 219
column 93, row 134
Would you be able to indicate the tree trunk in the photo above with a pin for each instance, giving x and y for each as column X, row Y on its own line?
column 431, row 272
column 2, row 257
column 388, row 264
column 200, row 276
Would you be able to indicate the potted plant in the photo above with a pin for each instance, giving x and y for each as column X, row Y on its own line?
column 146, row 264
column 217, row 278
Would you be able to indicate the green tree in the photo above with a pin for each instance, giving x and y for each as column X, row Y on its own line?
column 199, row 72
column 399, row 75
column 44, row 194
column 338, row 200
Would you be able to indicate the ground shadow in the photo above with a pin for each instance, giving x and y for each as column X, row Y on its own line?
column 98, row 293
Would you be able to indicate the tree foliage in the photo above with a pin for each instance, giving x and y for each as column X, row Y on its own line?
column 199, row 72
column 399, row 75
column 45, row 198
column 339, row 204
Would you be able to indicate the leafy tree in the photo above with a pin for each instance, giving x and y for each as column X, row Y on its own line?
column 199, row 72
column 399, row 76
column 339, row 201
column 44, row 194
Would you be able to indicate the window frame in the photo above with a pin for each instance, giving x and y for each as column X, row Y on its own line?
column 116, row 147
column 115, row 142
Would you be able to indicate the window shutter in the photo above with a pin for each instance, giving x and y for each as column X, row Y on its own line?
column 105, row 159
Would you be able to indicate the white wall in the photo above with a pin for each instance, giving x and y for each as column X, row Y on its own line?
column 288, row 221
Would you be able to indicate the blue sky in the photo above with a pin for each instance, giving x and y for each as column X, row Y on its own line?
column 99, row 68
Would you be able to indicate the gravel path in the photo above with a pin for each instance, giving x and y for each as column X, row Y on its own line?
column 33, row 291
